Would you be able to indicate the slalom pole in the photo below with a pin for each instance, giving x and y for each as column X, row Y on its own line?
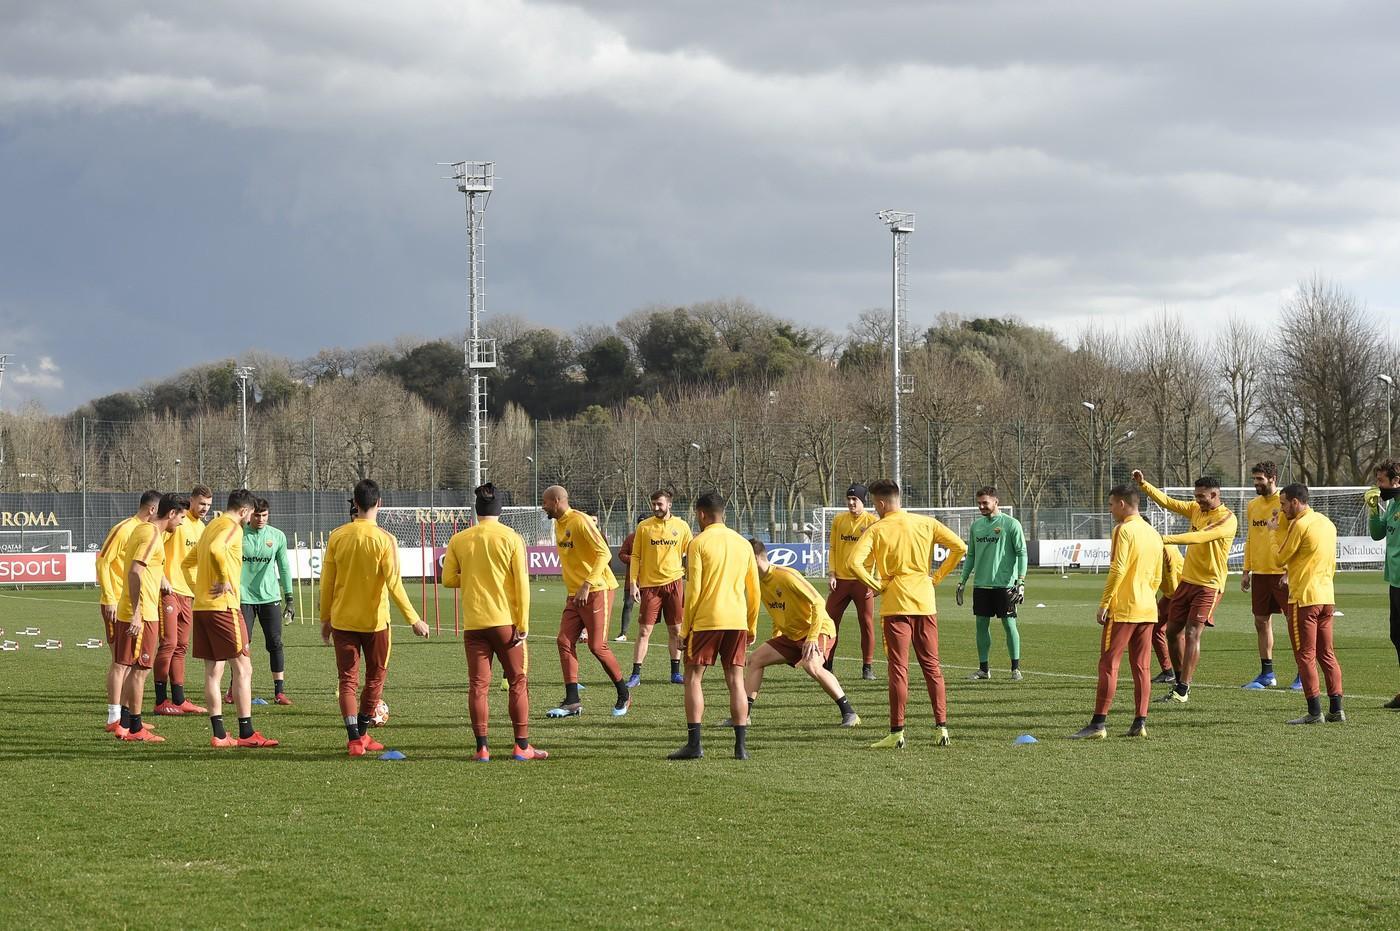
column 301, row 604
column 437, row 605
column 456, row 608
column 422, row 567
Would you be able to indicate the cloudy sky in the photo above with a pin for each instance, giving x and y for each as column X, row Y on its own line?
column 186, row 181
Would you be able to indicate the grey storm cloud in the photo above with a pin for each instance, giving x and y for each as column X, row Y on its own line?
column 222, row 176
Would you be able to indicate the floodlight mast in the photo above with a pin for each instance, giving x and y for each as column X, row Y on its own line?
column 243, row 373
column 901, row 225
column 476, row 180
column 4, row 360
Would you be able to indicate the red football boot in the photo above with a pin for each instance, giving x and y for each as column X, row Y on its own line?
column 144, row 734
column 221, row 743
column 371, row 745
column 257, row 740
column 114, row 727
column 355, row 747
column 189, row 707
column 228, row 698
column 529, row 753
column 483, row 755
column 169, row 707
column 282, row 699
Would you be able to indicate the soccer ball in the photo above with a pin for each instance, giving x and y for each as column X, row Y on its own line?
column 381, row 714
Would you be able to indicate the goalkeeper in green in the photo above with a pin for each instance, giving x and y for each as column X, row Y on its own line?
column 996, row 562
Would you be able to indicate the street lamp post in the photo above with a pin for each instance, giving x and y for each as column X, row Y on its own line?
column 1093, row 409
column 1389, row 390
column 177, row 475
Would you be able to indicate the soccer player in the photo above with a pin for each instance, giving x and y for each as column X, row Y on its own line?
column 265, row 550
column 1203, row 574
column 844, row 584
column 1172, row 561
column 359, row 574
column 624, row 556
column 721, row 620
column 1385, row 525
column 900, row 548
column 488, row 563
column 1127, row 613
column 589, row 585
column 177, row 609
column 111, row 582
column 138, row 618
column 1307, row 550
column 996, row 553
column 219, row 636
column 1263, row 574
column 656, row 579
column 802, row 634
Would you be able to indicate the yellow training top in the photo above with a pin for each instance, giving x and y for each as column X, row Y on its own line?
column 721, row 583
column 488, row 563
column 1172, row 561
column 846, row 529
column 359, row 574
column 583, row 553
column 143, row 546
column 1309, row 552
column 1212, row 532
column 217, row 557
column 895, row 557
column 798, row 612
column 657, row 548
column 111, row 579
column 1261, row 543
column 178, row 544
column 1134, row 573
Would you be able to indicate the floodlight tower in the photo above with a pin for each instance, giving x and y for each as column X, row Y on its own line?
column 476, row 180
column 243, row 373
column 901, row 224
column 4, row 358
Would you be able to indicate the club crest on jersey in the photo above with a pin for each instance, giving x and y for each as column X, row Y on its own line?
column 996, row 530
column 268, row 544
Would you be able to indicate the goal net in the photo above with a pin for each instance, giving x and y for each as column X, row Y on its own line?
column 959, row 520
column 1342, row 505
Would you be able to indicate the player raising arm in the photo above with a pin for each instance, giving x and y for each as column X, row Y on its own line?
column 900, row 546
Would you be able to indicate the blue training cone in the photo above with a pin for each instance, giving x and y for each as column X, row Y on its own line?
column 392, row 755
column 1026, row 739
column 260, row 701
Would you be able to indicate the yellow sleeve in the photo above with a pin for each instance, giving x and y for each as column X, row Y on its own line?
column 1222, row 529
column 862, row 553
column 394, row 582
column 451, row 568
column 106, row 574
column 1117, row 568
column 831, row 546
column 219, row 558
column 520, row 585
column 632, row 558
column 754, row 592
column 956, row 550
column 191, row 561
column 694, row 572
column 328, row 571
column 1288, row 546
column 809, row 595
column 600, row 552
column 1184, row 508
column 1248, row 561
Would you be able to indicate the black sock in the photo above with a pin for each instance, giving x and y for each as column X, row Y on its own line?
column 135, row 724
column 245, row 728
column 1182, row 688
column 844, row 704
column 741, row 734
column 675, row 667
column 622, row 692
column 1334, row 704
column 1168, row 672
column 751, row 699
column 481, row 741
column 126, row 717
column 1015, row 664
column 362, row 724
column 160, row 693
column 983, row 666
column 177, row 692
column 1139, row 722
column 896, row 730
column 522, row 742
column 571, row 693
column 352, row 727
column 692, row 736
column 1098, row 719
column 216, row 721
column 636, row 669
column 279, row 686
column 1315, row 705
column 941, row 723
column 1266, row 667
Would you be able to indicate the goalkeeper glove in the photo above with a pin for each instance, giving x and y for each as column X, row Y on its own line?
column 289, row 611
column 959, row 593
column 1017, row 593
column 1372, row 497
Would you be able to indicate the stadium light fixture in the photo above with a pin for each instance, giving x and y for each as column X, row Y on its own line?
column 901, row 225
column 694, row 445
column 476, row 180
column 243, row 374
column 177, row 475
column 1089, row 405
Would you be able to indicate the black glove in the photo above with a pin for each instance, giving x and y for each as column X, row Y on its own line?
column 959, row 593
column 289, row 611
column 1017, row 593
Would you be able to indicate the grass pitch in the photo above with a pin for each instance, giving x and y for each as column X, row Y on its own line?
column 1224, row 817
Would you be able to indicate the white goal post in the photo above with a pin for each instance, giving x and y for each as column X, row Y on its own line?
column 958, row 520
column 1343, row 505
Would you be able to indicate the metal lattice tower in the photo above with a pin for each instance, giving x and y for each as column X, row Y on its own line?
column 901, row 224
column 476, row 180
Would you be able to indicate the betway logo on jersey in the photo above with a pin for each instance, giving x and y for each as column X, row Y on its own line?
column 33, row 567
column 656, row 542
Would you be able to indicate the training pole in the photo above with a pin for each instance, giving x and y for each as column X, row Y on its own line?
column 301, row 604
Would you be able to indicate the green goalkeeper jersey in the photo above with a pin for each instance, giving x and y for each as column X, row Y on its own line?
column 996, row 552
column 1385, row 525
column 262, row 551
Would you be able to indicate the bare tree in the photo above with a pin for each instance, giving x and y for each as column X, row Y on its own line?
column 1242, row 368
